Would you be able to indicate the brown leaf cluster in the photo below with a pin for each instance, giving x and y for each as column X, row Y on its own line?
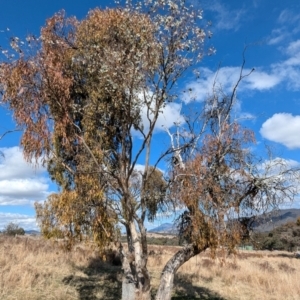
column 212, row 187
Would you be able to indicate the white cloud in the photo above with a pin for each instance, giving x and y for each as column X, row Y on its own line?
column 20, row 183
column 260, row 80
column 278, row 164
column 225, row 79
column 225, row 18
column 168, row 115
column 282, row 128
column 199, row 90
column 139, row 168
column 286, row 71
column 23, row 191
column 25, row 221
column 13, row 165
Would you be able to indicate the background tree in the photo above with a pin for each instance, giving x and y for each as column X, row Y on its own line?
column 80, row 98
column 13, row 229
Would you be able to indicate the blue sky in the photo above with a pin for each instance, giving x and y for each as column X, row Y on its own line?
column 269, row 98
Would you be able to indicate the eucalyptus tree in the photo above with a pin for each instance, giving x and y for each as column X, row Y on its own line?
column 78, row 91
column 83, row 90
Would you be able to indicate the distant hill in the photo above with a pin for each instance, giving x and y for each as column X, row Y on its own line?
column 284, row 233
column 264, row 223
column 32, row 232
column 167, row 228
column 276, row 219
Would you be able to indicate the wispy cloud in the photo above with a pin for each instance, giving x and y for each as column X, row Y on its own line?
column 288, row 16
column 277, row 36
column 293, row 48
column 225, row 18
column 288, row 24
column 285, row 72
column 240, row 114
column 288, row 70
column 25, row 221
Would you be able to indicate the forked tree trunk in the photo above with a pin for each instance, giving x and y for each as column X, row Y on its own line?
column 131, row 290
column 128, row 281
column 167, row 277
column 134, row 290
column 128, row 290
column 136, row 280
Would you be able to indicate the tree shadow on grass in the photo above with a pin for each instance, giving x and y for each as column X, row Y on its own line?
column 99, row 280
column 186, row 291
column 286, row 255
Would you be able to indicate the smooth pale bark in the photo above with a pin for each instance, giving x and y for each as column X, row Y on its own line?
column 128, row 282
column 143, row 280
column 128, row 290
column 167, row 277
column 136, row 280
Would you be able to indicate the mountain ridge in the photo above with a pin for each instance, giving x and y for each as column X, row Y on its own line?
column 263, row 223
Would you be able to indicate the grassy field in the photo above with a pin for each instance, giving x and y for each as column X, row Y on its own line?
column 32, row 268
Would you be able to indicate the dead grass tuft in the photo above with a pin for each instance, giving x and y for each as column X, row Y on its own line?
column 266, row 266
column 285, row 267
column 207, row 263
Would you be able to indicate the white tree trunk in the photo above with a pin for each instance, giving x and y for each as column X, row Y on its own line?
column 128, row 281
column 167, row 277
column 136, row 281
column 128, row 290
column 131, row 290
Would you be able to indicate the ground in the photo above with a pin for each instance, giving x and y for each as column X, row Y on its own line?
column 32, row 268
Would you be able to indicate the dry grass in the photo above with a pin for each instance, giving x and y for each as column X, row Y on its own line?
column 37, row 269
column 32, row 268
column 249, row 275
